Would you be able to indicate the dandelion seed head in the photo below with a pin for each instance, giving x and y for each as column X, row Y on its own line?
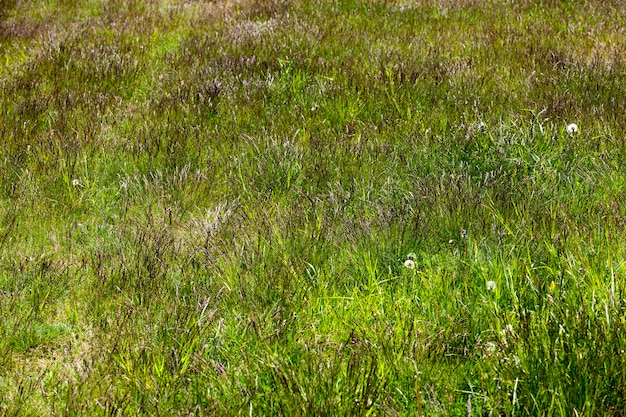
column 491, row 285
column 75, row 182
column 508, row 329
column 572, row 128
column 409, row 263
column 412, row 256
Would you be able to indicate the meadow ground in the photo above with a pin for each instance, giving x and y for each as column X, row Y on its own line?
column 338, row 207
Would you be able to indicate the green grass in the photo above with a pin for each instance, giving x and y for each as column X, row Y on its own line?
column 205, row 208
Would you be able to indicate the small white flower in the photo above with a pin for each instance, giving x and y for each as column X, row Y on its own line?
column 572, row 128
column 480, row 126
column 491, row 285
column 75, row 182
column 490, row 347
column 409, row 263
column 412, row 256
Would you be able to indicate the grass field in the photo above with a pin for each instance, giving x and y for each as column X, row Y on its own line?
column 333, row 207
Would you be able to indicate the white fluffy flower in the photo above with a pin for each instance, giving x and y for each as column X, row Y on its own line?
column 491, row 285
column 75, row 182
column 409, row 263
column 412, row 256
column 508, row 329
column 572, row 128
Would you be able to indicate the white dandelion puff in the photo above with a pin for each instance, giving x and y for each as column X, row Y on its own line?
column 508, row 329
column 409, row 264
column 572, row 128
column 75, row 182
column 412, row 256
column 491, row 285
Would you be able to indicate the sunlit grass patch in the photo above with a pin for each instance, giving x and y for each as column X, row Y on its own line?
column 283, row 207
column 39, row 334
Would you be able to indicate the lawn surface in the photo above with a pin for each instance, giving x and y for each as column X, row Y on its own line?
column 334, row 207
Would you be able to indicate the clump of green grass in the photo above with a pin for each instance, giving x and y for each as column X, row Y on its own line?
column 206, row 208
